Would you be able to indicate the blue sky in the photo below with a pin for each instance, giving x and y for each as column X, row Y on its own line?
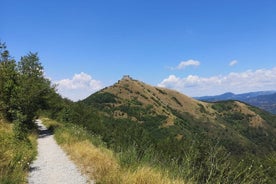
column 179, row 44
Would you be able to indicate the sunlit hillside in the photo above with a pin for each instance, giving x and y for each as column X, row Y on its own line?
column 234, row 124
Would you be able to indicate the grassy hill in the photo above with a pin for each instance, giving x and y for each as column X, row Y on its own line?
column 233, row 124
column 199, row 142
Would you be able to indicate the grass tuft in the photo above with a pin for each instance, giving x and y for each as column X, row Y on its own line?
column 147, row 175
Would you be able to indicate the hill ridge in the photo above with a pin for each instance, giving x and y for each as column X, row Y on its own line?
column 135, row 101
column 265, row 100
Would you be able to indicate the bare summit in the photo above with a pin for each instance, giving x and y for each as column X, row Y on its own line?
column 52, row 165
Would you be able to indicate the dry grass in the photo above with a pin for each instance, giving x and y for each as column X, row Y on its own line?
column 147, row 175
column 169, row 122
column 160, row 98
column 98, row 163
column 102, row 165
column 255, row 120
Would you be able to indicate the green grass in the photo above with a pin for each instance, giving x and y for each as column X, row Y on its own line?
column 15, row 155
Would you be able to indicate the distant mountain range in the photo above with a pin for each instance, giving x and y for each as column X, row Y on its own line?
column 265, row 100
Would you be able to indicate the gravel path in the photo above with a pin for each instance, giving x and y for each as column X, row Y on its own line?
column 52, row 165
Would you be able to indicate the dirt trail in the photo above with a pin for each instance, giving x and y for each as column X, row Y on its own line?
column 52, row 165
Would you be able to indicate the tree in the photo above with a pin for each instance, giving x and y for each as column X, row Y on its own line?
column 34, row 87
column 4, row 52
column 30, row 67
column 23, row 90
column 8, row 83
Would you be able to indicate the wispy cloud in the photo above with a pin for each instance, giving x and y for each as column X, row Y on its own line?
column 79, row 87
column 193, row 85
column 184, row 64
column 233, row 63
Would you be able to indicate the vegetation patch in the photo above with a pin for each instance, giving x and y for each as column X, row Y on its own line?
column 223, row 106
column 161, row 91
column 23, row 92
column 100, row 98
column 15, row 155
column 101, row 164
column 176, row 101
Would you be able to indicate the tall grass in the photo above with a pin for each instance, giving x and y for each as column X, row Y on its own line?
column 214, row 165
column 15, row 155
column 100, row 163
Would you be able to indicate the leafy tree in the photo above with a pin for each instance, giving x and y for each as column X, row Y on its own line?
column 8, row 82
column 35, row 90
column 30, row 66
column 23, row 89
column 4, row 52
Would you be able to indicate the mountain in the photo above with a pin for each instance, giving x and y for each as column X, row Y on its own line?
column 265, row 100
column 161, row 114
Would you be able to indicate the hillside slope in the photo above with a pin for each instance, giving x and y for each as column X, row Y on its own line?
column 265, row 100
column 167, row 113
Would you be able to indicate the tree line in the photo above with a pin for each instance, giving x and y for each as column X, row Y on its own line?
column 24, row 90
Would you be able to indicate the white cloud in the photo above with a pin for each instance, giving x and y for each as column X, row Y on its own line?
column 184, row 64
column 193, row 85
column 79, row 87
column 233, row 63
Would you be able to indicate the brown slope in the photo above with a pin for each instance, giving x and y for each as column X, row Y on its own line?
column 161, row 99
column 165, row 100
column 229, row 121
